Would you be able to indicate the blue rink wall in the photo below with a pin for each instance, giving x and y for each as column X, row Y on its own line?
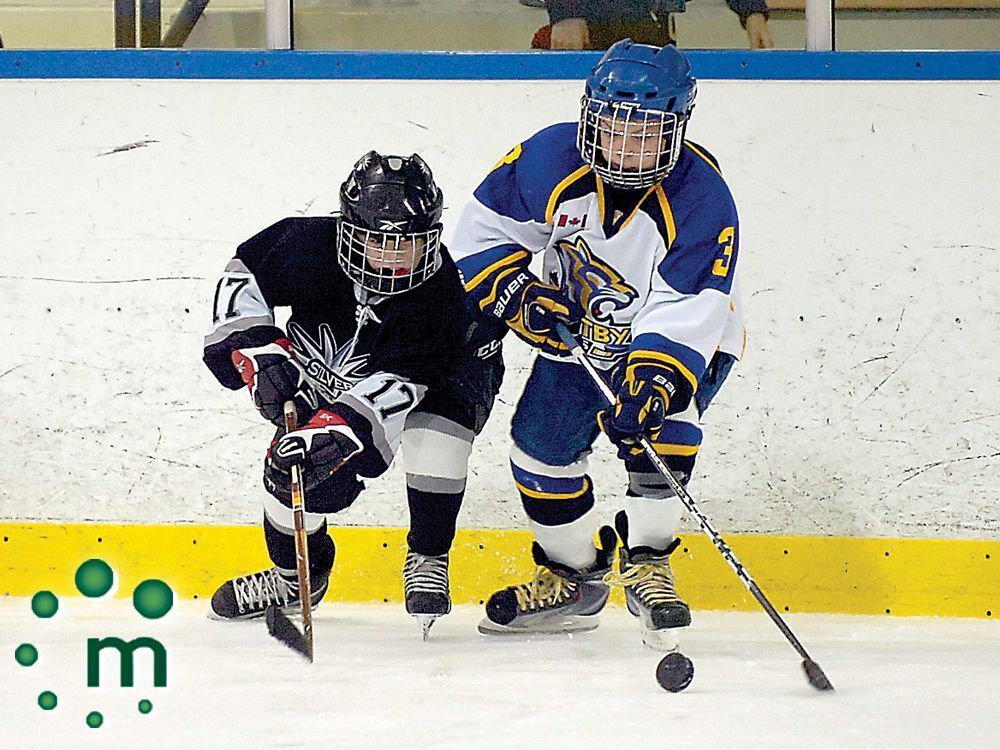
column 271, row 65
column 852, row 455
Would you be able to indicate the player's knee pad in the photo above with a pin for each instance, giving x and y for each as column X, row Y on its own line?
column 527, row 461
column 558, row 511
column 645, row 479
column 552, row 495
column 436, row 453
column 652, row 484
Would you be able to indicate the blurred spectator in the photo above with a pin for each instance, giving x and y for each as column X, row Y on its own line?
column 597, row 24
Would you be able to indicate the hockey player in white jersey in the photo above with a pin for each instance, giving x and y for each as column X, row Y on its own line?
column 639, row 240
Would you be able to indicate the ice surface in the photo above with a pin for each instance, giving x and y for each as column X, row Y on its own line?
column 901, row 683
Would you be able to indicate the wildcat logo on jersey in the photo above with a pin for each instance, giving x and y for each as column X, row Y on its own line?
column 329, row 368
column 601, row 291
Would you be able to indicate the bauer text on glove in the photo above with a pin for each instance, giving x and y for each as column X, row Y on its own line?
column 531, row 309
column 643, row 401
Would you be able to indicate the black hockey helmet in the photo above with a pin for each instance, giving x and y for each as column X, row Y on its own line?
column 389, row 237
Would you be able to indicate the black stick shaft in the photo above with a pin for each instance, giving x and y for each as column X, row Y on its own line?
column 720, row 544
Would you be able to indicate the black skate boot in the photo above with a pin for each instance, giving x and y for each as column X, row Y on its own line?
column 246, row 597
column 650, row 592
column 425, row 584
column 558, row 599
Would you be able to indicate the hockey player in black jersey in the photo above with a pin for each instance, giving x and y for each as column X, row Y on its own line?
column 380, row 349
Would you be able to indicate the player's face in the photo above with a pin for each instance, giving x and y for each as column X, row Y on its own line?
column 630, row 146
column 397, row 256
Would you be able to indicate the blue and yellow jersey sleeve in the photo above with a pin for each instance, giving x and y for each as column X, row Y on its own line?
column 507, row 219
column 685, row 314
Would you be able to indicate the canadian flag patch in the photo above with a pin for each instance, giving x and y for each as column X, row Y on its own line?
column 578, row 222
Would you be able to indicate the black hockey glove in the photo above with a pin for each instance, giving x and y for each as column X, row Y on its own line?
column 642, row 403
column 321, row 447
column 532, row 309
column 274, row 377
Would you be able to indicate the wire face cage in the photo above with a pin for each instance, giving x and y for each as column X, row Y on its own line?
column 626, row 145
column 387, row 262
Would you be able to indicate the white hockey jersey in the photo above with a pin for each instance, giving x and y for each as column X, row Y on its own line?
column 653, row 273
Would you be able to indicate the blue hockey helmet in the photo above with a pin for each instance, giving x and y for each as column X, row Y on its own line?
column 634, row 113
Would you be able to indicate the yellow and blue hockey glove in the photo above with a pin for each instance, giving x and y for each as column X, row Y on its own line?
column 531, row 309
column 641, row 405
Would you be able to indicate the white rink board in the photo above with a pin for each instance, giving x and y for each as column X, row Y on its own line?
column 866, row 406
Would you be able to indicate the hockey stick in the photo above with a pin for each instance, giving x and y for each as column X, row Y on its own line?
column 278, row 623
column 814, row 673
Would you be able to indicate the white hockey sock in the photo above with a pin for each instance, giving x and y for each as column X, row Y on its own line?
column 652, row 522
column 569, row 544
column 283, row 518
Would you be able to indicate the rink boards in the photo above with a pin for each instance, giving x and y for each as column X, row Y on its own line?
column 859, row 434
column 946, row 578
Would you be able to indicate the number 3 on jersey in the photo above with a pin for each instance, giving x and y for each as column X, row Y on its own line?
column 509, row 158
column 721, row 266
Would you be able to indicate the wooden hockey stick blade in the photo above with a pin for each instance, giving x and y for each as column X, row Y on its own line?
column 284, row 630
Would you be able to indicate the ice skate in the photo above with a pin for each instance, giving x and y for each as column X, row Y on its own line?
column 558, row 599
column 650, row 592
column 425, row 585
column 246, row 597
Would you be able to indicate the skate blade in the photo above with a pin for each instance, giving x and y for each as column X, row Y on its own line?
column 249, row 617
column 290, row 610
column 426, row 623
column 664, row 641
column 561, row 626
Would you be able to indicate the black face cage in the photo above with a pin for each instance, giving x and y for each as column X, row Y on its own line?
column 601, row 139
column 388, row 262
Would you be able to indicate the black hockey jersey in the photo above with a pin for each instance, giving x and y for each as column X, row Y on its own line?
column 378, row 355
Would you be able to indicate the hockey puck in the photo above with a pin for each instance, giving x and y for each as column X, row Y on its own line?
column 674, row 672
